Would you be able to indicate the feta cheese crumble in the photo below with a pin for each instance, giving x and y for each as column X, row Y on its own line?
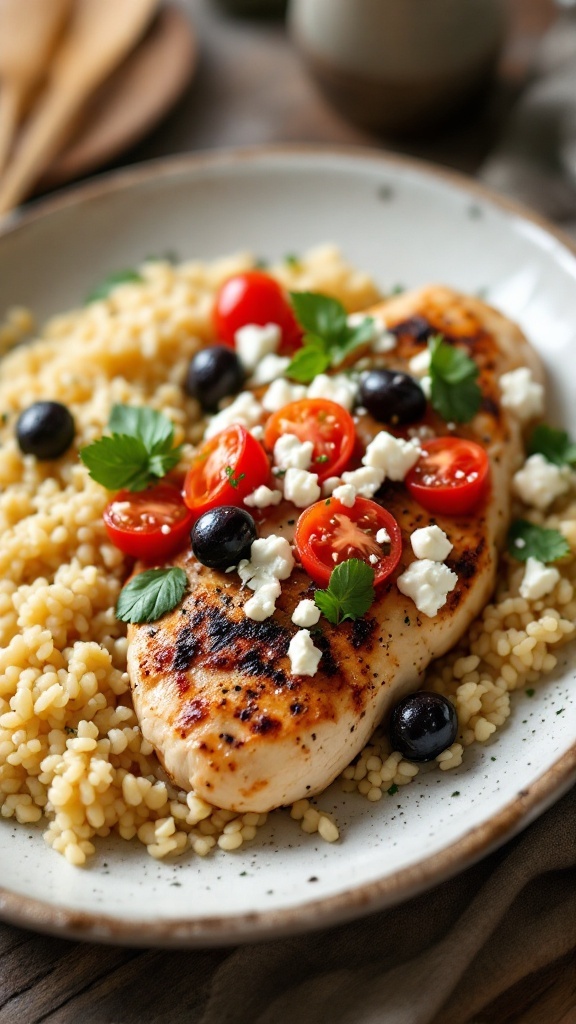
column 521, row 394
column 431, row 542
column 365, row 480
column 383, row 537
column 393, row 456
column 540, row 482
column 262, row 497
column 339, row 388
column 271, row 560
column 301, row 487
column 269, row 369
column 253, row 342
column 345, row 494
column 263, row 604
column 280, row 393
column 419, row 365
column 382, row 339
column 304, row 656
column 428, row 584
column 539, row 579
column 330, row 485
column 245, row 410
column 292, row 453
column 306, row 613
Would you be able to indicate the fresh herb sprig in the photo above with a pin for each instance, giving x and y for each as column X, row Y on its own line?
column 554, row 445
column 328, row 337
column 455, row 393
column 527, row 540
column 102, row 290
column 150, row 594
column 350, row 592
column 139, row 451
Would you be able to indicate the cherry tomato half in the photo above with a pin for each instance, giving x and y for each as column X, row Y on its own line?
column 451, row 476
column 325, row 423
column 224, row 470
column 149, row 524
column 255, row 298
column 328, row 533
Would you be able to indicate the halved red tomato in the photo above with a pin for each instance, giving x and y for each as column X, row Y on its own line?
column 329, row 533
column 329, row 426
column 450, row 477
column 255, row 298
column 224, row 470
column 149, row 524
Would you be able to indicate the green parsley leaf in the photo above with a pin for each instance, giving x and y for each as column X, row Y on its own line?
column 233, row 480
column 328, row 338
column 102, row 291
column 139, row 451
column 147, row 596
column 350, row 592
column 526, row 539
column 554, row 445
column 455, row 393
column 392, row 790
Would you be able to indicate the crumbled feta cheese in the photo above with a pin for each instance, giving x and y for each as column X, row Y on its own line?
column 366, row 480
column 306, row 613
column 538, row 579
column 521, row 394
column 419, row 365
column 301, row 487
column 292, row 453
column 262, row 497
column 304, row 657
column 540, row 482
column 428, row 583
column 280, row 393
column 383, row 537
column 426, row 385
column 431, row 542
column 269, row 556
column 382, row 339
column 345, row 494
column 271, row 367
column 394, row 456
column 245, row 410
column 253, row 342
column 373, row 559
column 340, row 389
column 263, row 604
column 329, row 486
column 258, row 431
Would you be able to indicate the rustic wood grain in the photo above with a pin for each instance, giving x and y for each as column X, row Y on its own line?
column 251, row 88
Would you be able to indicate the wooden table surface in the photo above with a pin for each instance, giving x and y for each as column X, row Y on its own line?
column 251, row 89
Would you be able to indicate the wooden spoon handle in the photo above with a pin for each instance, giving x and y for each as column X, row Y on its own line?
column 10, row 108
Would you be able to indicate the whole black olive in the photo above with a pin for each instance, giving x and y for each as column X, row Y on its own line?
column 223, row 536
column 45, row 429
column 214, row 373
column 392, row 397
column 422, row 725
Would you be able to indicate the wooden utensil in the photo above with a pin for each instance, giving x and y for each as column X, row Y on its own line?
column 29, row 30
column 100, row 34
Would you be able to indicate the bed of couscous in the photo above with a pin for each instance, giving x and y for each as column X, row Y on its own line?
column 71, row 751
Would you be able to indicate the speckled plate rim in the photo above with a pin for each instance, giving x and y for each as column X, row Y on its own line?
column 406, row 882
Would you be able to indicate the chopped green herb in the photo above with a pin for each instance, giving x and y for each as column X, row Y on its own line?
column 397, row 289
column 530, row 693
column 233, row 480
column 102, row 291
column 455, row 393
column 554, row 445
column 147, row 596
column 321, row 458
column 70, row 730
column 292, row 260
column 328, row 338
column 350, row 592
column 492, row 758
column 456, row 792
column 392, row 790
column 139, row 451
column 527, row 540
column 560, row 711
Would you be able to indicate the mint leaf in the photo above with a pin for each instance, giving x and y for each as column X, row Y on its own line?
column 455, row 393
column 147, row 596
column 350, row 592
column 139, row 452
column 328, row 338
column 528, row 540
column 554, row 445
column 102, row 291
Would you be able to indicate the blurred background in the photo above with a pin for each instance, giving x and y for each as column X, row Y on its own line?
column 487, row 86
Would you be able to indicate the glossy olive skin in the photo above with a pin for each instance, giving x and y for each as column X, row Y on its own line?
column 223, row 536
column 45, row 429
column 392, row 397
column 214, row 373
column 422, row 725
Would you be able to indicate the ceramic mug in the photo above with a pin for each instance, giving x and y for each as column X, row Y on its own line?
column 399, row 65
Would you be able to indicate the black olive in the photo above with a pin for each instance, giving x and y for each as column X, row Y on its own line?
column 422, row 725
column 223, row 536
column 214, row 373
column 45, row 429
column 392, row 397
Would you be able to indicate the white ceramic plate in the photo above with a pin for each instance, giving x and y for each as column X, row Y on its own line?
column 403, row 223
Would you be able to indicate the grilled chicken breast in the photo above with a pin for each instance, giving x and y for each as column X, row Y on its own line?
column 213, row 689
